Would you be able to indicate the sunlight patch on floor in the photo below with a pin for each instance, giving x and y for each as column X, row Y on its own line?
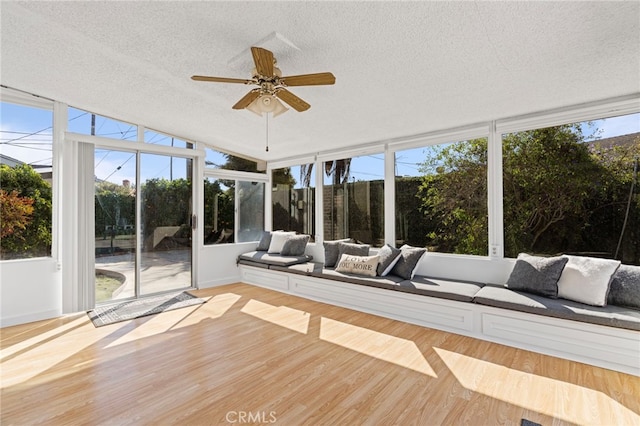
column 569, row 400
column 154, row 325
column 26, row 344
column 292, row 319
column 396, row 350
column 35, row 358
column 215, row 307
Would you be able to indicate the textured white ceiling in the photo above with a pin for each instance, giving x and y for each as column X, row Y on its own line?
column 402, row 68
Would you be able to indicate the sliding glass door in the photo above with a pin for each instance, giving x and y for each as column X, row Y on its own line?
column 165, row 213
column 143, row 233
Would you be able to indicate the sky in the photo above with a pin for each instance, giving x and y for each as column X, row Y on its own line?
column 25, row 134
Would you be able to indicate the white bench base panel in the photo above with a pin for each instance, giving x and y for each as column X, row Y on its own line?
column 608, row 347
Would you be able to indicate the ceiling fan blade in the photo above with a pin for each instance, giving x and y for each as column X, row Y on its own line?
column 247, row 99
column 263, row 59
column 295, row 102
column 221, row 79
column 317, row 79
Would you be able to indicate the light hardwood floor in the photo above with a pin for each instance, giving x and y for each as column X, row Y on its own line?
column 251, row 355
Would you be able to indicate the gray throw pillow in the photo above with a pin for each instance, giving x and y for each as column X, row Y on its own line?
column 352, row 249
column 624, row 289
column 265, row 240
column 538, row 275
column 388, row 257
column 295, row 245
column 331, row 251
column 407, row 261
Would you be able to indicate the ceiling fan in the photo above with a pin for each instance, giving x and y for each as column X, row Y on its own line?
column 272, row 85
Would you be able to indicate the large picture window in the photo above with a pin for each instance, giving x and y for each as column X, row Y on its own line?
column 26, row 172
column 572, row 189
column 441, row 197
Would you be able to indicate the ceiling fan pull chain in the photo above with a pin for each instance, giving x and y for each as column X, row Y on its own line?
column 267, row 118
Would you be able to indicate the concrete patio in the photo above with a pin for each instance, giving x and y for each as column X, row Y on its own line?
column 160, row 271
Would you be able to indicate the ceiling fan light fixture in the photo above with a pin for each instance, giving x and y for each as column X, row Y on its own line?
column 279, row 109
column 267, row 104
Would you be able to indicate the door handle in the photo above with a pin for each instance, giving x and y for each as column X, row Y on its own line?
column 194, row 222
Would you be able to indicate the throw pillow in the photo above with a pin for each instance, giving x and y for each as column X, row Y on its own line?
column 353, row 249
column 625, row 287
column 295, row 245
column 409, row 257
column 587, row 279
column 278, row 239
column 265, row 240
column 331, row 251
column 535, row 274
column 388, row 258
column 361, row 265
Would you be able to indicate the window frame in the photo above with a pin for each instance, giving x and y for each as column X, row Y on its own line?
column 58, row 125
column 236, row 176
column 494, row 195
column 531, row 122
column 312, row 185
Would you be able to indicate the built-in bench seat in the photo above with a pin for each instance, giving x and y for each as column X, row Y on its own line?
column 489, row 295
column 612, row 316
column 605, row 336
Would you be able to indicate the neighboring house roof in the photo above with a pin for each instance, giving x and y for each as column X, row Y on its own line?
column 622, row 140
column 44, row 170
column 9, row 161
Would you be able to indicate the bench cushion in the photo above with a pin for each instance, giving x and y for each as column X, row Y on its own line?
column 306, row 268
column 388, row 282
column 614, row 316
column 443, row 288
column 262, row 257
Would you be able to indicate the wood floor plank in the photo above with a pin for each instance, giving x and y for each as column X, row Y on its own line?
column 251, row 355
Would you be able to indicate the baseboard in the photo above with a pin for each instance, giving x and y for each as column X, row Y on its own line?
column 23, row 319
column 219, row 281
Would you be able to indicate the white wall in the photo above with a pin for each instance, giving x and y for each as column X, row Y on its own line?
column 217, row 264
column 30, row 290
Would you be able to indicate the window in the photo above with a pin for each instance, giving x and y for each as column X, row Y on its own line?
column 572, row 189
column 161, row 139
column 219, row 160
column 353, row 199
column 441, row 197
column 26, row 173
column 250, row 210
column 222, row 198
column 86, row 123
column 293, row 195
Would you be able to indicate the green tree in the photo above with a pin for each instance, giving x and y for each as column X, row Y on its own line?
column 35, row 239
column 548, row 176
column 218, row 209
column 560, row 195
column 454, row 197
column 239, row 163
column 115, row 207
column 615, row 213
column 166, row 203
